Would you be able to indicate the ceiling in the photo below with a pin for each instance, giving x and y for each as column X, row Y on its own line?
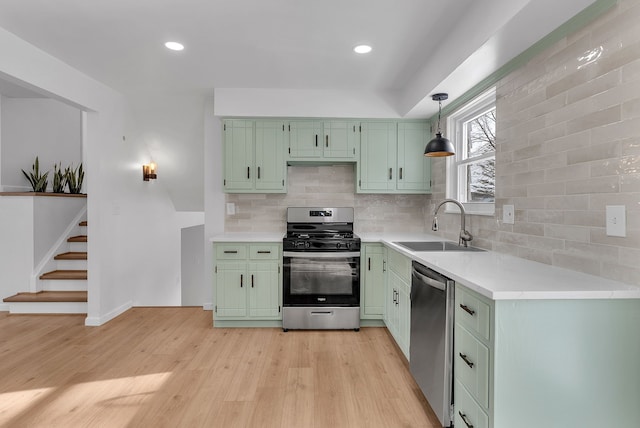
column 294, row 44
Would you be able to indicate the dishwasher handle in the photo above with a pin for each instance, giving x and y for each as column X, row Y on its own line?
column 429, row 281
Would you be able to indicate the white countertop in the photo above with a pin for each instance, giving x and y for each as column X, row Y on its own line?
column 504, row 277
column 494, row 275
column 248, row 237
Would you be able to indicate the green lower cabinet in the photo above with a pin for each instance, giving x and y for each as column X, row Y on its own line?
column 248, row 284
column 231, row 292
column 372, row 281
column 550, row 363
column 264, row 295
column 398, row 300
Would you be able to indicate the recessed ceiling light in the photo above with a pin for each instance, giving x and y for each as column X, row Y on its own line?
column 362, row 49
column 174, row 46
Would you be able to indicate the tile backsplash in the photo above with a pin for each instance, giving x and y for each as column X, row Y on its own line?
column 327, row 186
column 568, row 145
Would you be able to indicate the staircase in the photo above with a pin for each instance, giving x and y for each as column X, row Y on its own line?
column 63, row 290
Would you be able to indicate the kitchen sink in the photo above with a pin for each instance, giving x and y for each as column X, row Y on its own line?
column 435, row 246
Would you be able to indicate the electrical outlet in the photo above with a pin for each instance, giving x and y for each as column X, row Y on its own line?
column 231, row 208
column 616, row 220
column 508, row 214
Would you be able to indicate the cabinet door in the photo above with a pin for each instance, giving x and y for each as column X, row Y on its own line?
column 238, row 154
column 340, row 139
column 378, row 144
column 394, row 283
column 264, row 290
column 270, row 167
column 404, row 319
column 305, row 139
column 373, row 289
column 414, row 169
column 231, row 289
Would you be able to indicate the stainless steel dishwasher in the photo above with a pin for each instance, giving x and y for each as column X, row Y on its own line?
column 431, row 343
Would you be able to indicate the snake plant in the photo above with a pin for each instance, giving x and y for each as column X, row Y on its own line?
column 59, row 178
column 36, row 178
column 75, row 177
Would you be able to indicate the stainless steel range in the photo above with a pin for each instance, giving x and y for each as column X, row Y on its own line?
column 321, row 278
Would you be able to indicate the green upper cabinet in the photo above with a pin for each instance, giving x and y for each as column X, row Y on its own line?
column 254, row 156
column 315, row 140
column 391, row 158
column 238, row 155
column 305, row 139
column 378, row 146
column 340, row 139
column 271, row 169
column 414, row 169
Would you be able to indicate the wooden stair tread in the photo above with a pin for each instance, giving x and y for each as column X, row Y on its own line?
column 83, row 223
column 49, row 296
column 65, row 274
column 72, row 255
column 79, row 238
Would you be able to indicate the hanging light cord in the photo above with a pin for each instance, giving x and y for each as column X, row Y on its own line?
column 439, row 113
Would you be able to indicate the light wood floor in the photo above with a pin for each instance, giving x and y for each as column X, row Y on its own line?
column 167, row 367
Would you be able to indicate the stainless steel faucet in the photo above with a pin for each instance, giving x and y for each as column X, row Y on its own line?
column 465, row 236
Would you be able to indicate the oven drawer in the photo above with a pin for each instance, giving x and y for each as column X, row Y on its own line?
column 231, row 252
column 264, row 252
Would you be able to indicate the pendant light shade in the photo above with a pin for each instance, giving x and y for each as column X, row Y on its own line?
column 439, row 146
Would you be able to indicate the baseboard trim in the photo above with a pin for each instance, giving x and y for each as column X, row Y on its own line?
column 98, row 321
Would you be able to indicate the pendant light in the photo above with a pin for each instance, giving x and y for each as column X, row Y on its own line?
column 439, row 146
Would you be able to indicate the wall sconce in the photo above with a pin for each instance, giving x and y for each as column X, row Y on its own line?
column 149, row 171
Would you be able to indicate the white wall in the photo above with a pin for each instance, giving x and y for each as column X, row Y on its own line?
column 16, row 250
column 192, row 266
column 301, row 103
column 213, row 196
column 131, row 252
column 39, row 127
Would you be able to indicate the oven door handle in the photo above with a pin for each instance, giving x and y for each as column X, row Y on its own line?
column 321, row 255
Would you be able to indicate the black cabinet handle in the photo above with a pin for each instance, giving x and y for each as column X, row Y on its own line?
column 466, row 360
column 327, row 140
column 230, row 251
column 241, row 279
column 369, row 263
column 400, row 173
column 390, row 173
column 467, row 309
column 316, row 140
column 251, row 281
column 384, row 266
column 264, row 252
column 464, row 419
column 248, row 172
column 258, row 173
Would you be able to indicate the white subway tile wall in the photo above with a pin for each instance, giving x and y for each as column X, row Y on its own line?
column 568, row 144
column 327, row 186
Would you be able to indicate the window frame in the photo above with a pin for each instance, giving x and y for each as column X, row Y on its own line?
column 455, row 122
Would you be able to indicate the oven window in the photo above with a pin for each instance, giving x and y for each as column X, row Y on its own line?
column 322, row 277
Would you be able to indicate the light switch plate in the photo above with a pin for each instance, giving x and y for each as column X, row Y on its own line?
column 231, row 208
column 616, row 220
column 508, row 214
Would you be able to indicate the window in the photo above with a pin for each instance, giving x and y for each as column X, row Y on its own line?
column 471, row 173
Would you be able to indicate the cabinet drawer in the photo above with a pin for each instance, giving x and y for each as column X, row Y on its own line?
column 231, row 252
column 400, row 264
column 473, row 313
column 467, row 411
column 471, row 364
column 264, row 252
